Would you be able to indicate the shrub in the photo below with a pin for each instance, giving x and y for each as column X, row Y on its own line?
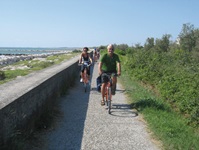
column 175, row 74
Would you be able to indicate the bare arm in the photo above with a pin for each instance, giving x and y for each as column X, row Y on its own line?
column 119, row 68
column 100, row 68
column 91, row 60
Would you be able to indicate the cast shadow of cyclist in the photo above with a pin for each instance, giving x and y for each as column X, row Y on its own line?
column 120, row 90
column 123, row 110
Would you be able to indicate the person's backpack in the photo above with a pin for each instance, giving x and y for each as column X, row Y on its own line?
column 98, row 81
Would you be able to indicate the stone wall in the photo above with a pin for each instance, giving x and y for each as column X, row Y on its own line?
column 24, row 99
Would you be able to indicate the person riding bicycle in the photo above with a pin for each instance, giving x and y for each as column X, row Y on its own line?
column 85, row 57
column 98, row 53
column 95, row 54
column 109, row 63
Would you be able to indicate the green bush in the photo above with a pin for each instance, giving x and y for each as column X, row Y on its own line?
column 174, row 74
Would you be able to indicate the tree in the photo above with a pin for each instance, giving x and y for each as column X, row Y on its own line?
column 163, row 44
column 187, row 38
column 122, row 47
column 149, row 43
column 196, row 35
column 138, row 46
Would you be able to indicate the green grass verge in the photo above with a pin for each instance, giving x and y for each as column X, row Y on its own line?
column 167, row 126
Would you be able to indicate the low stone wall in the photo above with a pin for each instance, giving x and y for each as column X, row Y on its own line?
column 24, row 99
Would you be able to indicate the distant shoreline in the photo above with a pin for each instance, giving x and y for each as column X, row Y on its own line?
column 7, row 59
column 14, row 54
column 17, row 51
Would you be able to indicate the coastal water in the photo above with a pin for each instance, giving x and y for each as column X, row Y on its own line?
column 20, row 51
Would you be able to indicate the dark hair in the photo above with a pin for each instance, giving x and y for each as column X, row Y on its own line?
column 85, row 48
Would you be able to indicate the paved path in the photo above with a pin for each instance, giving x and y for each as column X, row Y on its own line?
column 86, row 125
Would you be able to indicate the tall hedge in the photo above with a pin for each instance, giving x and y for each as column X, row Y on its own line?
column 175, row 74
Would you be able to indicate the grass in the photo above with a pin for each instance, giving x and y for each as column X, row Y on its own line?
column 167, row 126
column 33, row 65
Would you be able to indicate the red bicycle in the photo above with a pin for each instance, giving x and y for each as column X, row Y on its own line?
column 85, row 75
column 108, row 90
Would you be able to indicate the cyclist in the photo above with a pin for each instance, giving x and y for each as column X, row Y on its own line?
column 95, row 51
column 95, row 54
column 98, row 53
column 109, row 63
column 85, row 57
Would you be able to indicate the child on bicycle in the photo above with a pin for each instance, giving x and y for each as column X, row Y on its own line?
column 109, row 63
column 85, row 57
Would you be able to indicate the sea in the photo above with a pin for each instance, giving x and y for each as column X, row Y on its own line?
column 32, row 50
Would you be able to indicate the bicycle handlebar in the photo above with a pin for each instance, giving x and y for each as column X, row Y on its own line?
column 87, row 65
column 110, row 74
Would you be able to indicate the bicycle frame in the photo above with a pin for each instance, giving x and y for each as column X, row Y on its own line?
column 108, row 95
column 85, row 75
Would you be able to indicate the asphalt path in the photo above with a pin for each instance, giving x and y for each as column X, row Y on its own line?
column 86, row 125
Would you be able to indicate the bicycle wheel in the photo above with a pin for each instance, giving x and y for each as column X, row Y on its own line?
column 109, row 100
column 106, row 95
column 85, row 87
column 85, row 80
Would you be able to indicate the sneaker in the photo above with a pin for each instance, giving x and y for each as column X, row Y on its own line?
column 102, row 103
column 81, row 80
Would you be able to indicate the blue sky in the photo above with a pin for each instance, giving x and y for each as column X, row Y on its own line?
column 78, row 23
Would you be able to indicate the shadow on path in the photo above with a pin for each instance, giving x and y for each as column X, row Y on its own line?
column 69, row 130
column 123, row 110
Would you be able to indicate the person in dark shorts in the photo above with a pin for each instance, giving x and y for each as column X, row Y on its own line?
column 109, row 63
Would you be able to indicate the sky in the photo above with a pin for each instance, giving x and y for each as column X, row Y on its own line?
column 79, row 23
